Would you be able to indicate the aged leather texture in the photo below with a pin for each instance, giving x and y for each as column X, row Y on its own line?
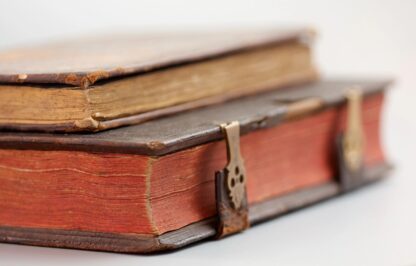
column 82, row 62
column 184, row 130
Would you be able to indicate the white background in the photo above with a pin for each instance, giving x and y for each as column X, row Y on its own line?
column 373, row 226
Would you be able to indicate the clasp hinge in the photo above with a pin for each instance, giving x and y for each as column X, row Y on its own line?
column 351, row 142
column 230, row 183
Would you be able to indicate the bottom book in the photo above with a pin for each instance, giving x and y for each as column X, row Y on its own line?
column 180, row 179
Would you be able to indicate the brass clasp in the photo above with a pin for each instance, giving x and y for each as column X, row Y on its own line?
column 230, row 184
column 350, row 143
column 234, row 171
column 353, row 140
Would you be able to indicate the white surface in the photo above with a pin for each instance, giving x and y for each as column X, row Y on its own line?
column 374, row 226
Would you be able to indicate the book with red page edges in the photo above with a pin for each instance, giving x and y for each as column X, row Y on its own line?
column 191, row 176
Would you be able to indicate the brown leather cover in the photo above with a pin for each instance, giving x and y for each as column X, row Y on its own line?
column 184, row 130
column 82, row 62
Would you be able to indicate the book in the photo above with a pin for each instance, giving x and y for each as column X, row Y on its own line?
column 104, row 82
column 150, row 187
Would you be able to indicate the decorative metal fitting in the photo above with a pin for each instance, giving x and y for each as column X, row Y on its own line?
column 230, row 185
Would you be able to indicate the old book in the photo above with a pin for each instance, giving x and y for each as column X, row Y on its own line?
column 150, row 187
column 105, row 82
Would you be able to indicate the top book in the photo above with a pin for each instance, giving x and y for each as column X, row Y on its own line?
column 97, row 83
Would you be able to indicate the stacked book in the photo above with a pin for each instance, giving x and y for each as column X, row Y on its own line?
column 143, row 143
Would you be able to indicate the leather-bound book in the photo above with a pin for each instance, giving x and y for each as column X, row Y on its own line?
column 97, row 83
column 195, row 175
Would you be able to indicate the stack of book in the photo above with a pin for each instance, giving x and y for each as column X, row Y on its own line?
column 142, row 143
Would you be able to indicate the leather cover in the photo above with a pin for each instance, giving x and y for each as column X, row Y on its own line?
column 188, row 129
column 82, row 62
column 178, row 132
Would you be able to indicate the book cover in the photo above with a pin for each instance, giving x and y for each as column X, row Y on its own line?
column 103, row 82
column 151, row 187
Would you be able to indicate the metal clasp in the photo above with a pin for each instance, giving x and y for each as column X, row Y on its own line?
column 234, row 171
column 351, row 143
column 230, row 185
